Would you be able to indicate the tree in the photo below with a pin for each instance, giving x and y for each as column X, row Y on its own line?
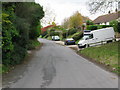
column 102, row 5
column 49, row 16
column 88, row 22
column 32, row 13
column 20, row 23
column 116, row 26
column 65, row 23
column 75, row 20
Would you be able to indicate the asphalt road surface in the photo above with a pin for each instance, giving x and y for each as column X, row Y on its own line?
column 56, row 66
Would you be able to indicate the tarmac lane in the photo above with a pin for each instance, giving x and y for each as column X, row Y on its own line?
column 56, row 66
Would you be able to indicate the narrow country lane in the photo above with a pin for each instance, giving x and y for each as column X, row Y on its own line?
column 56, row 66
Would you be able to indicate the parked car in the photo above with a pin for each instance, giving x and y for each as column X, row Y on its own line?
column 55, row 38
column 69, row 41
column 97, row 37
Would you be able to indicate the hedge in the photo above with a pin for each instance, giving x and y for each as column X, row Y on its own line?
column 116, row 25
column 95, row 27
column 54, row 33
column 69, row 32
column 18, row 27
column 72, row 31
column 77, row 36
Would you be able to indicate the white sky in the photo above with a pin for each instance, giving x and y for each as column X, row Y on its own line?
column 65, row 8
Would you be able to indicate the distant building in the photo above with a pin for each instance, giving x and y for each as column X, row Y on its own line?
column 85, row 19
column 105, row 19
column 46, row 28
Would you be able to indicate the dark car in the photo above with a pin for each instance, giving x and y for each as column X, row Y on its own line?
column 69, row 41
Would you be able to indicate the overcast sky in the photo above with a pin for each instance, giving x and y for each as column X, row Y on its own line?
column 65, row 8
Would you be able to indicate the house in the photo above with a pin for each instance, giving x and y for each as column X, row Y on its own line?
column 105, row 19
column 46, row 28
column 85, row 19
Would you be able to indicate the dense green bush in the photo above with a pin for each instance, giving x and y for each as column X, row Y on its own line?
column 77, row 36
column 54, row 33
column 32, row 44
column 33, row 34
column 20, row 24
column 72, row 31
column 69, row 32
column 18, row 54
column 116, row 25
column 104, row 26
column 64, row 34
column 32, row 13
column 95, row 27
column 88, row 22
column 92, row 27
column 44, row 33
column 8, row 33
column 23, row 32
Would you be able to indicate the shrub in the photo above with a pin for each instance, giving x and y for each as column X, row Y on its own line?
column 19, row 24
column 18, row 54
column 64, row 34
column 116, row 25
column 77, row 36
column 92, row 27
column 34, row 33
column 69, row 32
column 32, row 44
column 72, row 31
column 54, row 33
column 103, row 26
column 95, row 27
column 88, row 22
column 44, row 34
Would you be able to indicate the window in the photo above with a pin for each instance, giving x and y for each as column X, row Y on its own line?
column 91, row 36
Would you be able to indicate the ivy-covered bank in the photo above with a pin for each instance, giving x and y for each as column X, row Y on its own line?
column 20, row 22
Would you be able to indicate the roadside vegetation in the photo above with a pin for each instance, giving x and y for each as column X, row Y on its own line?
column 33, row 44
column 107, row 54
column 20, row 29
column 73, row 26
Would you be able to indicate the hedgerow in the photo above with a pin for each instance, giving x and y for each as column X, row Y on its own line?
column 20, row 24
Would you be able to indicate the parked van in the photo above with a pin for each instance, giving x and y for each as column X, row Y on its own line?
column 55, row 38
column 86, row 32
column 97, row 37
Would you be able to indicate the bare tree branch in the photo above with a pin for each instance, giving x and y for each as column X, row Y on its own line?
column 102, row 5
column 49, row 16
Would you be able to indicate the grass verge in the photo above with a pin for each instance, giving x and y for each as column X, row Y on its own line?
column 4, row 69
column 107, row 54
column 33, row 44
column 49, row 38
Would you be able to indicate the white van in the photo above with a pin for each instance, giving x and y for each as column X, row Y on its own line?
column 86, row 32
column 97, row 37
column 55, row 38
